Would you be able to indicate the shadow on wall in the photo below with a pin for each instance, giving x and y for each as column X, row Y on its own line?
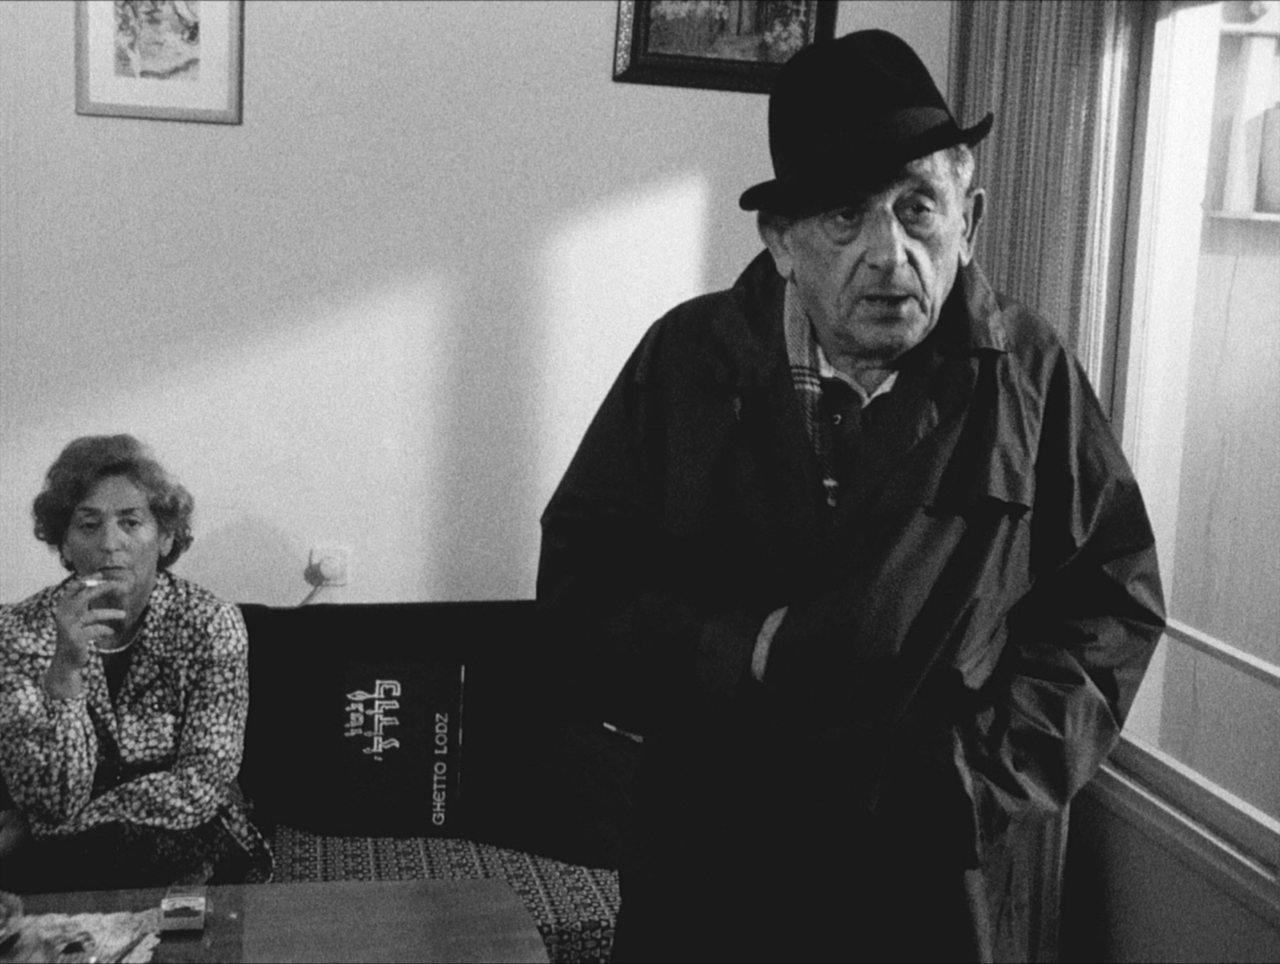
column 381, row 312
column 607, row 275
column 423, row 423
column 246, row 559
column 525, row 397
column 318, row 427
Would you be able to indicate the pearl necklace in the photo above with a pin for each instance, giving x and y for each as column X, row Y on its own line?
column 131, row 637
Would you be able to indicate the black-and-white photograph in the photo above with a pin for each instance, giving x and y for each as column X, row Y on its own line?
column 715, row 44
column 178, row 60
column 591, row 481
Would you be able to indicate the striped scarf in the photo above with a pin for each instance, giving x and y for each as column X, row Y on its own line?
column 809, row 369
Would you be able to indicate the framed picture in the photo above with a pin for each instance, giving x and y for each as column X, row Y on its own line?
column 716, row 44
column 162, row 59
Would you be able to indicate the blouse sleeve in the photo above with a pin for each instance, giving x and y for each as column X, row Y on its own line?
column 48, row 746
column 209, row 744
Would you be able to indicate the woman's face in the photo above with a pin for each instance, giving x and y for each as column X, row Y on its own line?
column 114, row 535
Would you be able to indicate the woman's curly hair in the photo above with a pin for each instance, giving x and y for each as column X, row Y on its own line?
column 91, row 458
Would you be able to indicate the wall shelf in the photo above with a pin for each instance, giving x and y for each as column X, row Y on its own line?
column 1244, row 30
column 1243, row 174
column 1245, row 215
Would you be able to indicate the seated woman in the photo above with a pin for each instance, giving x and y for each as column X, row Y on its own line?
column 123, row 694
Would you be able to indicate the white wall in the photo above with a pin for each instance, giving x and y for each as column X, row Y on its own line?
column 380, row 312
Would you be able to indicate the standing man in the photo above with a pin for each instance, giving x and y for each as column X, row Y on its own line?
column 853, row 546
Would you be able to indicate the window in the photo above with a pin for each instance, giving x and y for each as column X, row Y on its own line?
column 1200, row 397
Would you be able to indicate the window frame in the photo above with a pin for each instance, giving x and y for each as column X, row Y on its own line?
column 1237, row 841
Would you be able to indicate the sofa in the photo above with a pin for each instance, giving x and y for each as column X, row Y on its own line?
column 538, row 787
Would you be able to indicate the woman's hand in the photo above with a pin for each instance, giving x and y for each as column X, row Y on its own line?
column 79, row 626
column 13, row 832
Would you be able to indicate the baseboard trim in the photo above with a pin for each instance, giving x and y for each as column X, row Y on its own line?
column 1249, row 883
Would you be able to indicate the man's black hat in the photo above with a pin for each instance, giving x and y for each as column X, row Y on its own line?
column 844, row 116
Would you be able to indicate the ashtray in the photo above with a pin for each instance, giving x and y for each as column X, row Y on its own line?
column 183, row 909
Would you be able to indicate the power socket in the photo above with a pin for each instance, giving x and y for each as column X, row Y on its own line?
column 328, row 565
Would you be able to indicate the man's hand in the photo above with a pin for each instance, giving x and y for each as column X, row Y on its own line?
column 79, row 626
column 760, row 656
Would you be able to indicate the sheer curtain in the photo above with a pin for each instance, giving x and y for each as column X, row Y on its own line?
column 1062, row 77
column 1063, row 80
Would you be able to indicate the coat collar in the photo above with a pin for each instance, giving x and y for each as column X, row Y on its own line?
column 747, row 347
column 986, row 321
column 972, row 321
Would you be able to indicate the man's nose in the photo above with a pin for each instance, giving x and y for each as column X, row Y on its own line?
column 884, row 240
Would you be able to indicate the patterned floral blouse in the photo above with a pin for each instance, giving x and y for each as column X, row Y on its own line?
column 165, row 755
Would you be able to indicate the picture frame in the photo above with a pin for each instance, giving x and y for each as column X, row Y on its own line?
column 715, row 44
column 178, row 60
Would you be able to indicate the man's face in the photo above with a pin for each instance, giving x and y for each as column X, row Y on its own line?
column 873, row 276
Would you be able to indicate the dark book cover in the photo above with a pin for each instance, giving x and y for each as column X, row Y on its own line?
column 402, row 726
column 355, row 720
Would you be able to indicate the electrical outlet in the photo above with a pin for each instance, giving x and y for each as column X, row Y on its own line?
column 328, row 565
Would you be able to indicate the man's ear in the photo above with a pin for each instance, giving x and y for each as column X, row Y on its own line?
column 773, row 232
column 975, row 206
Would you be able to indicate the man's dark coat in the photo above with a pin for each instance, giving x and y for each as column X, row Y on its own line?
column 966, row 629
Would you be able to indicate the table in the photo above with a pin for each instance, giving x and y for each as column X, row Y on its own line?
column 409, row 920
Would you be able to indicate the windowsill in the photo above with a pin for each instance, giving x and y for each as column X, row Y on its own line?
column 1219, row 837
